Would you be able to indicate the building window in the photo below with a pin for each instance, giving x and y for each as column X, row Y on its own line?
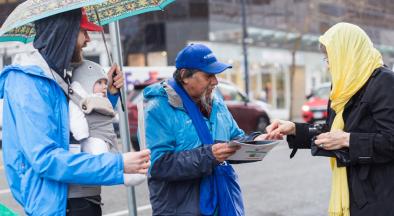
column 136, row 59
column 7, row 60
column 198, row 10
column 155, row 37
column 157, row 58
column 332, row 10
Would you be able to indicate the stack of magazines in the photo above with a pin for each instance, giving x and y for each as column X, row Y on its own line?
column 252, row 151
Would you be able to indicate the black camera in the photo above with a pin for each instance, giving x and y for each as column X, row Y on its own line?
column 342, row 155
column 313, row 131
column 316, row 130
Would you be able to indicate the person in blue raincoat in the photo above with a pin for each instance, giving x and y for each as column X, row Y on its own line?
column 180, row 160
column 37, row 162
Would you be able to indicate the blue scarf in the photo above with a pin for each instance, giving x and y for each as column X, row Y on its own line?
column 220, row 189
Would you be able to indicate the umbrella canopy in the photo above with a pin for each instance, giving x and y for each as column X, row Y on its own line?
column 114, row 10
column 19, row 24
column 4, row 211
column 19, row 27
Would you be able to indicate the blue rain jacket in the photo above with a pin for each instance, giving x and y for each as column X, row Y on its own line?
column 35, row 144
column 179, row 160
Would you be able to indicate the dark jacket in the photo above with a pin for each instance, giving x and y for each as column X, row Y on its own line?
column 369, row 117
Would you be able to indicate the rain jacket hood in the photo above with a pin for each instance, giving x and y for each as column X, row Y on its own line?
column 56, row 37
column 164, row 91
column 37, row 67
column 352, row 60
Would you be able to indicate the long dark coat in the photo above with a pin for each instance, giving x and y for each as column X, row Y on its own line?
column 369, row 118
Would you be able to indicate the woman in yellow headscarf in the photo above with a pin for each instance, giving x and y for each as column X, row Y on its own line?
column 360, row 140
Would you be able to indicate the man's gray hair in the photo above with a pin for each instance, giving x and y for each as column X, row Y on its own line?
column 178, row 77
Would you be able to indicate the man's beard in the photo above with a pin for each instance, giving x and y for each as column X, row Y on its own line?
column 206, row 100
column 77, row 55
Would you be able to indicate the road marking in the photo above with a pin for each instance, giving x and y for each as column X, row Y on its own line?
column 5, row 191
column 144, row 208
column 125, row 212
column 280, row 147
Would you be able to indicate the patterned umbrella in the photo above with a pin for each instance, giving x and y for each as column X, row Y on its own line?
column 19, row 24
column 4, row 211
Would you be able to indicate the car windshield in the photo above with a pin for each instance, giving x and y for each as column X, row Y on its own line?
column 230, row 93
column 323, row 92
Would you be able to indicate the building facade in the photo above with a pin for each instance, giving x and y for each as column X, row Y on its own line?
column 283, row 49
column 282, row 35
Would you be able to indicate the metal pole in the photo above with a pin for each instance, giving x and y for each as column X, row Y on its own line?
column 123, row 120
column 244, row 46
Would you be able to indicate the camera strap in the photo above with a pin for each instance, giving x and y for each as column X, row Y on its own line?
column 293, row 152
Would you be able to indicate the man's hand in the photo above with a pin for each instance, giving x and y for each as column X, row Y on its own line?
column 221, row 151
column 136, row 162
column 278, row 128
column 115, row 79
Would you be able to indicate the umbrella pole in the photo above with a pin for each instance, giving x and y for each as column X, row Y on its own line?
column 123, row 120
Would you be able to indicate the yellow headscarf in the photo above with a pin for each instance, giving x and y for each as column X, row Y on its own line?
column 352, row 60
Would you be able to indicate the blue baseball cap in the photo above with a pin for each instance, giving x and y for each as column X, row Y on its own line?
column 199, row 57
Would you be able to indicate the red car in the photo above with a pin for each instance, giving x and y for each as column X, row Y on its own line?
column 249, row 114
column 315, row 109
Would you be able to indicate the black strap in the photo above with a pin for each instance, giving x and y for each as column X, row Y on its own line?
column 65, row 84
column 293, row 152
column 73, row 140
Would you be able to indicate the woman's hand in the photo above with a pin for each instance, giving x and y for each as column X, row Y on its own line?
column 260, row 137
column 333, row 140
column 279, row 128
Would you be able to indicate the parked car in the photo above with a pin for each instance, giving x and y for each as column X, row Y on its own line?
column 251, row 115
column 315, row 109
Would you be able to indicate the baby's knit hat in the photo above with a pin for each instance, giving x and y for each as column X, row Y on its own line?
column 87, row 74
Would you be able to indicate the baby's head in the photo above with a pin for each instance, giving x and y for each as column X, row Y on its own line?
column 100, row 87
column 92, row 78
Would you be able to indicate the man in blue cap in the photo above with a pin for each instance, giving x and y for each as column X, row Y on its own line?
column 185, row 119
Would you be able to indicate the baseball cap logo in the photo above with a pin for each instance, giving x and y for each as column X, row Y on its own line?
column 200, row 57
column 210, row 55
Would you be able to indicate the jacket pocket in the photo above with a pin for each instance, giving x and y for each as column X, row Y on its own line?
column 20, row 164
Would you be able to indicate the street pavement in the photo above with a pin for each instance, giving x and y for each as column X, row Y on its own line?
column 277, row 186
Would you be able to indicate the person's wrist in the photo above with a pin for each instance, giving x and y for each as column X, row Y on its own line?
column 346, row 140
column 123, row 156
column 293, row 131
column 213, row 148
column 113, row 91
